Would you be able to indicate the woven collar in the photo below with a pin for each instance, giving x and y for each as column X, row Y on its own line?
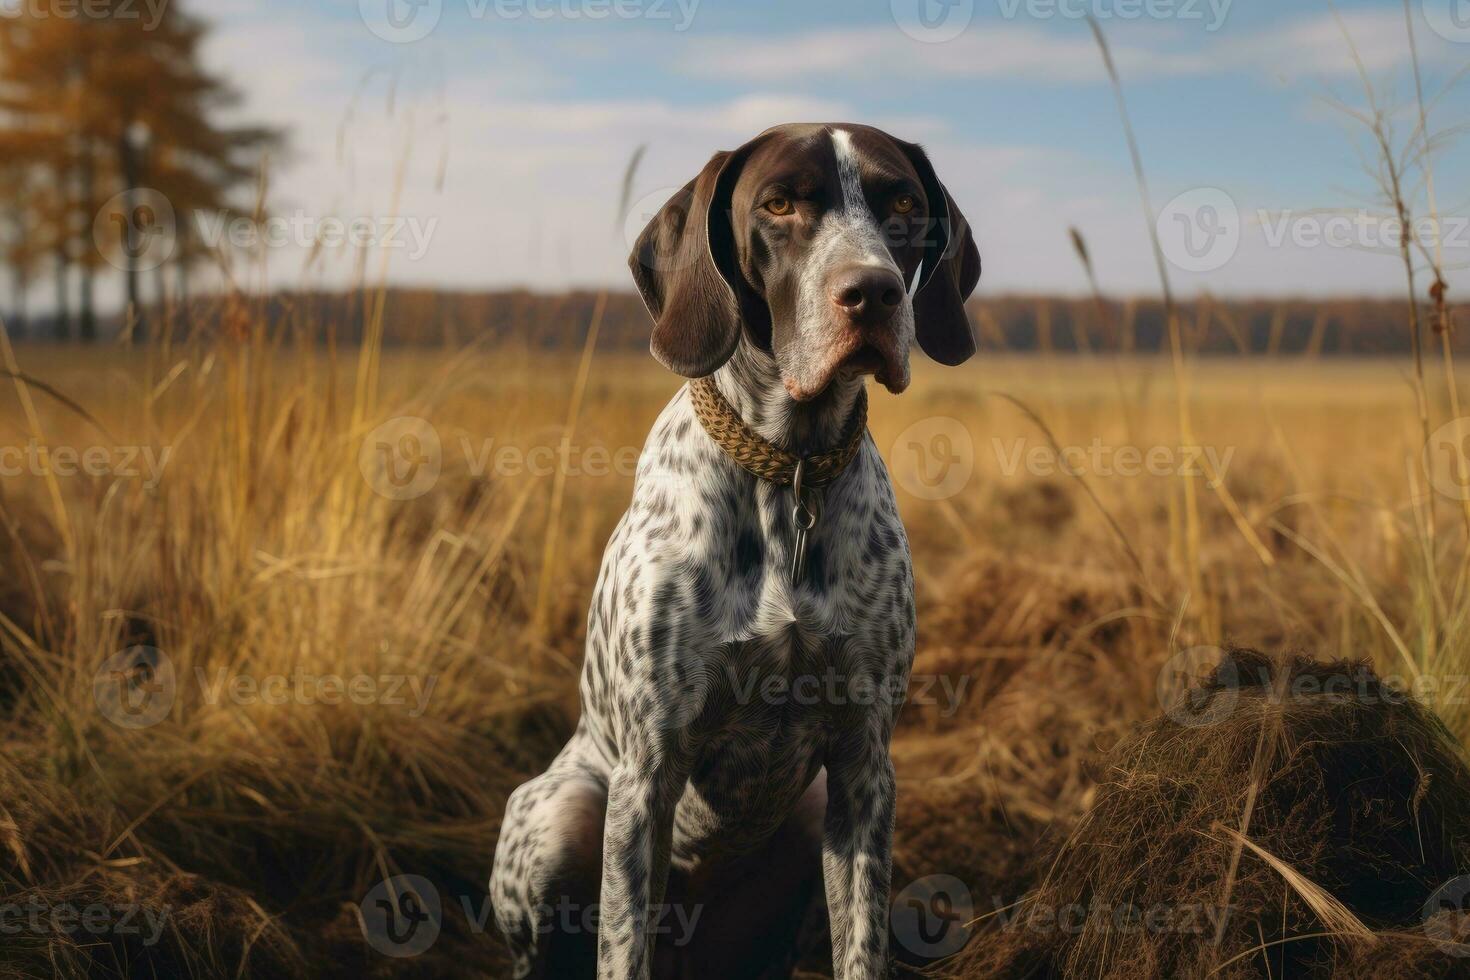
column 741, row 443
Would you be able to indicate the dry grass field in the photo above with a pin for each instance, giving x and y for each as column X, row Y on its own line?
column 348, row 685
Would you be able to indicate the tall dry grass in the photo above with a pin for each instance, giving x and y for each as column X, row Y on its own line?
column 263, row 550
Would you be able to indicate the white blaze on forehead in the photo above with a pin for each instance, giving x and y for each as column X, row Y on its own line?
column 858, row 216
column 847, row 172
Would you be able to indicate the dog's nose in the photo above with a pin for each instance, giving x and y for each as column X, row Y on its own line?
column 866, row 294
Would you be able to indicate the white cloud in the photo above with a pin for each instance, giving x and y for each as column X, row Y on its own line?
column 1304, row 47
column 1319, row 46
column 986, row 50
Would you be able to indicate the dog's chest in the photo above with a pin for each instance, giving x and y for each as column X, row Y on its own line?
column 847, row 611
column 699, row 637
column 769, row 714
column 800, row 665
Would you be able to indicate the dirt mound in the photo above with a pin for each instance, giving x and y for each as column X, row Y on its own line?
column 1285, row 818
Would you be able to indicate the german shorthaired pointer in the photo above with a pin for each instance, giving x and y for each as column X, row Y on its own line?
column 749, row 641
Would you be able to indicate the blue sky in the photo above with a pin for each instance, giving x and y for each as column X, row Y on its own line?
column 502, row 132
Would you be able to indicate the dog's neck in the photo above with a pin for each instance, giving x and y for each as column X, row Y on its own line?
column 751, row 383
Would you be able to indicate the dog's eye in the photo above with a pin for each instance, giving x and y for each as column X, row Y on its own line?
column 780, row 206
column 903, row 204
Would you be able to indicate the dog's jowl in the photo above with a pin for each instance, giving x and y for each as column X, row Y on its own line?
column 748, row 646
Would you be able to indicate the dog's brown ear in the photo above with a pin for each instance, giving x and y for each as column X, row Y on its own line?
column 951, row 270
column 685, row 266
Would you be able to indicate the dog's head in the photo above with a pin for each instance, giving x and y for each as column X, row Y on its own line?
column 833, row 245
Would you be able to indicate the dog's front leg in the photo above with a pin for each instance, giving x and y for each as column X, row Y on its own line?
column 635, row 866
column 857, row 851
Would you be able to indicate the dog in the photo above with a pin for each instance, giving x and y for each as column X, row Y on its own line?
column 752, row 627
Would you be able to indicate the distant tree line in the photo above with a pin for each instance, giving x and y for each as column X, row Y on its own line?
column 108, row 141
column 559, row 321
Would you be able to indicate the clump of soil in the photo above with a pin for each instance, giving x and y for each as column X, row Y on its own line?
column 1289, row 818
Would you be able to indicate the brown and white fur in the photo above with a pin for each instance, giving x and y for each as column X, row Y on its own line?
column 732, row 754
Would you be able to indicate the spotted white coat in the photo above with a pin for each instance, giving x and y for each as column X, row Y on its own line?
column 682, row 755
